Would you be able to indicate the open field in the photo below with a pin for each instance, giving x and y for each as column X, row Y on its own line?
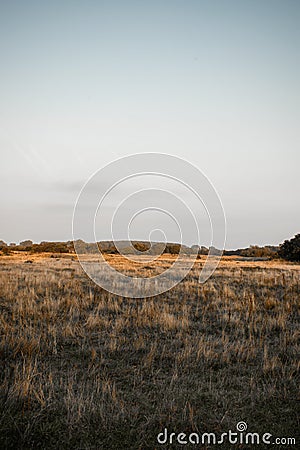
column 84, row 369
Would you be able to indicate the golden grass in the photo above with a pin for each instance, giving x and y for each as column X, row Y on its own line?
column 82, row 368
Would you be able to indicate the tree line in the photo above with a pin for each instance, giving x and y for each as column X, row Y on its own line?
column 288, row 250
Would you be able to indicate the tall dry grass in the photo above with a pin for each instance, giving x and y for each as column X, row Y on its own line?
column 81, row 368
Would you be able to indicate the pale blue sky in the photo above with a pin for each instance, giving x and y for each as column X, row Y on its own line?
column 85, row 82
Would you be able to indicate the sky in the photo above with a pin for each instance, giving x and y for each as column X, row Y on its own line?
column 214, row 82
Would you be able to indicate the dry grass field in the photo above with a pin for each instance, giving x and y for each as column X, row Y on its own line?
column 84, row 369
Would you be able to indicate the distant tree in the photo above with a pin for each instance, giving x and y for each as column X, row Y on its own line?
column 50, row 247
column 215, row 251
column 2, row 244
column 290, row 249
column 254, row 251
column 141, row 246
column 200, row 250
column 173, row 249
column 70, row 245
column 107, row 247
column 80, row 246
column 27, row 243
